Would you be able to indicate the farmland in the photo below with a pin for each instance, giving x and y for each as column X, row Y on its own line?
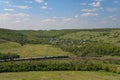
column 60, row 75
column 94, row 54
column 32, row 50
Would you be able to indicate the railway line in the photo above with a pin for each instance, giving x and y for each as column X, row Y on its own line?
column 57, row 58
column 35, row 58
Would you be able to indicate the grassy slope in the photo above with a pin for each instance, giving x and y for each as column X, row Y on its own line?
column 112, row 36
column 100, row 35
column 31, row 50
column 61, row 75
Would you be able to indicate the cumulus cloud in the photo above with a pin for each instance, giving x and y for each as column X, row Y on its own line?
column 20, row 15
column 48, row 20
column 113, row 18
column 8, row 9
column 67, row 19
column 89, row 14
column 39, row 1
column 8, row 16
column 88, row 10
column 22, row 7
column 76, row 16
column 96, row 4
column 44, row 7
column 6, row 2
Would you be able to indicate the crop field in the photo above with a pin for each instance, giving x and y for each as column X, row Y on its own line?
column 32, row 50
column 60, row 75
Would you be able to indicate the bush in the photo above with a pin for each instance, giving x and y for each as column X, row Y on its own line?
column 4, row 56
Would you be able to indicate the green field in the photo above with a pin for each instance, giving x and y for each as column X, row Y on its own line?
column 32, row 50
column 60, row 75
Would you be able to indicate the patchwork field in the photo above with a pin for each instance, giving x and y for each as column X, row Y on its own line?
column 60, row 75
column 32, row 50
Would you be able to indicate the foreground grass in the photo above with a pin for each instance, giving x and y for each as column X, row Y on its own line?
column 32, row 50
column 60, row 75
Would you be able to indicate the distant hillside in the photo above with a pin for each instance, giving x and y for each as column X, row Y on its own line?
column 79, row 42
column 107, row 36
column 45, row 36
column 53, row 36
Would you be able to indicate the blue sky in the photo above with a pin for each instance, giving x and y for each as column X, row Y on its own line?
column 59, row 14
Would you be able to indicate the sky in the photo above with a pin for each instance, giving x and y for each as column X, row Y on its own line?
column 59, row 14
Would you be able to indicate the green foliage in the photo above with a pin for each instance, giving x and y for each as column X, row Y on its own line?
column 99, row 49
column 4, row 56
column 82, row 65
column 92, row 49
column 106, row 36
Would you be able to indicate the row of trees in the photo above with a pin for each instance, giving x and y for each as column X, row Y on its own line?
column 4, row 56
column 82, row 65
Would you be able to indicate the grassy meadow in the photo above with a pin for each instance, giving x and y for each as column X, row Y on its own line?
column 31, row 50
column 60, row 75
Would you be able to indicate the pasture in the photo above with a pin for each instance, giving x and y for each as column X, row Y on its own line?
column 60, row 75
column 32, row 50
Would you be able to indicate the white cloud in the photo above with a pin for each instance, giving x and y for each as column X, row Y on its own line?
column 54, row 17
column 65, row 20
column 48, row 20
column 17, row 21
column 6, row 2
column 113, row 18
column 96, row 4
column 22, row 7
column 44, row 7
column 20, row 15
column 89, row 14
column 88, row 10
column 5, row 16
column 17, row 16
column 8, row 9
column 39, row 1
column 76, row 16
